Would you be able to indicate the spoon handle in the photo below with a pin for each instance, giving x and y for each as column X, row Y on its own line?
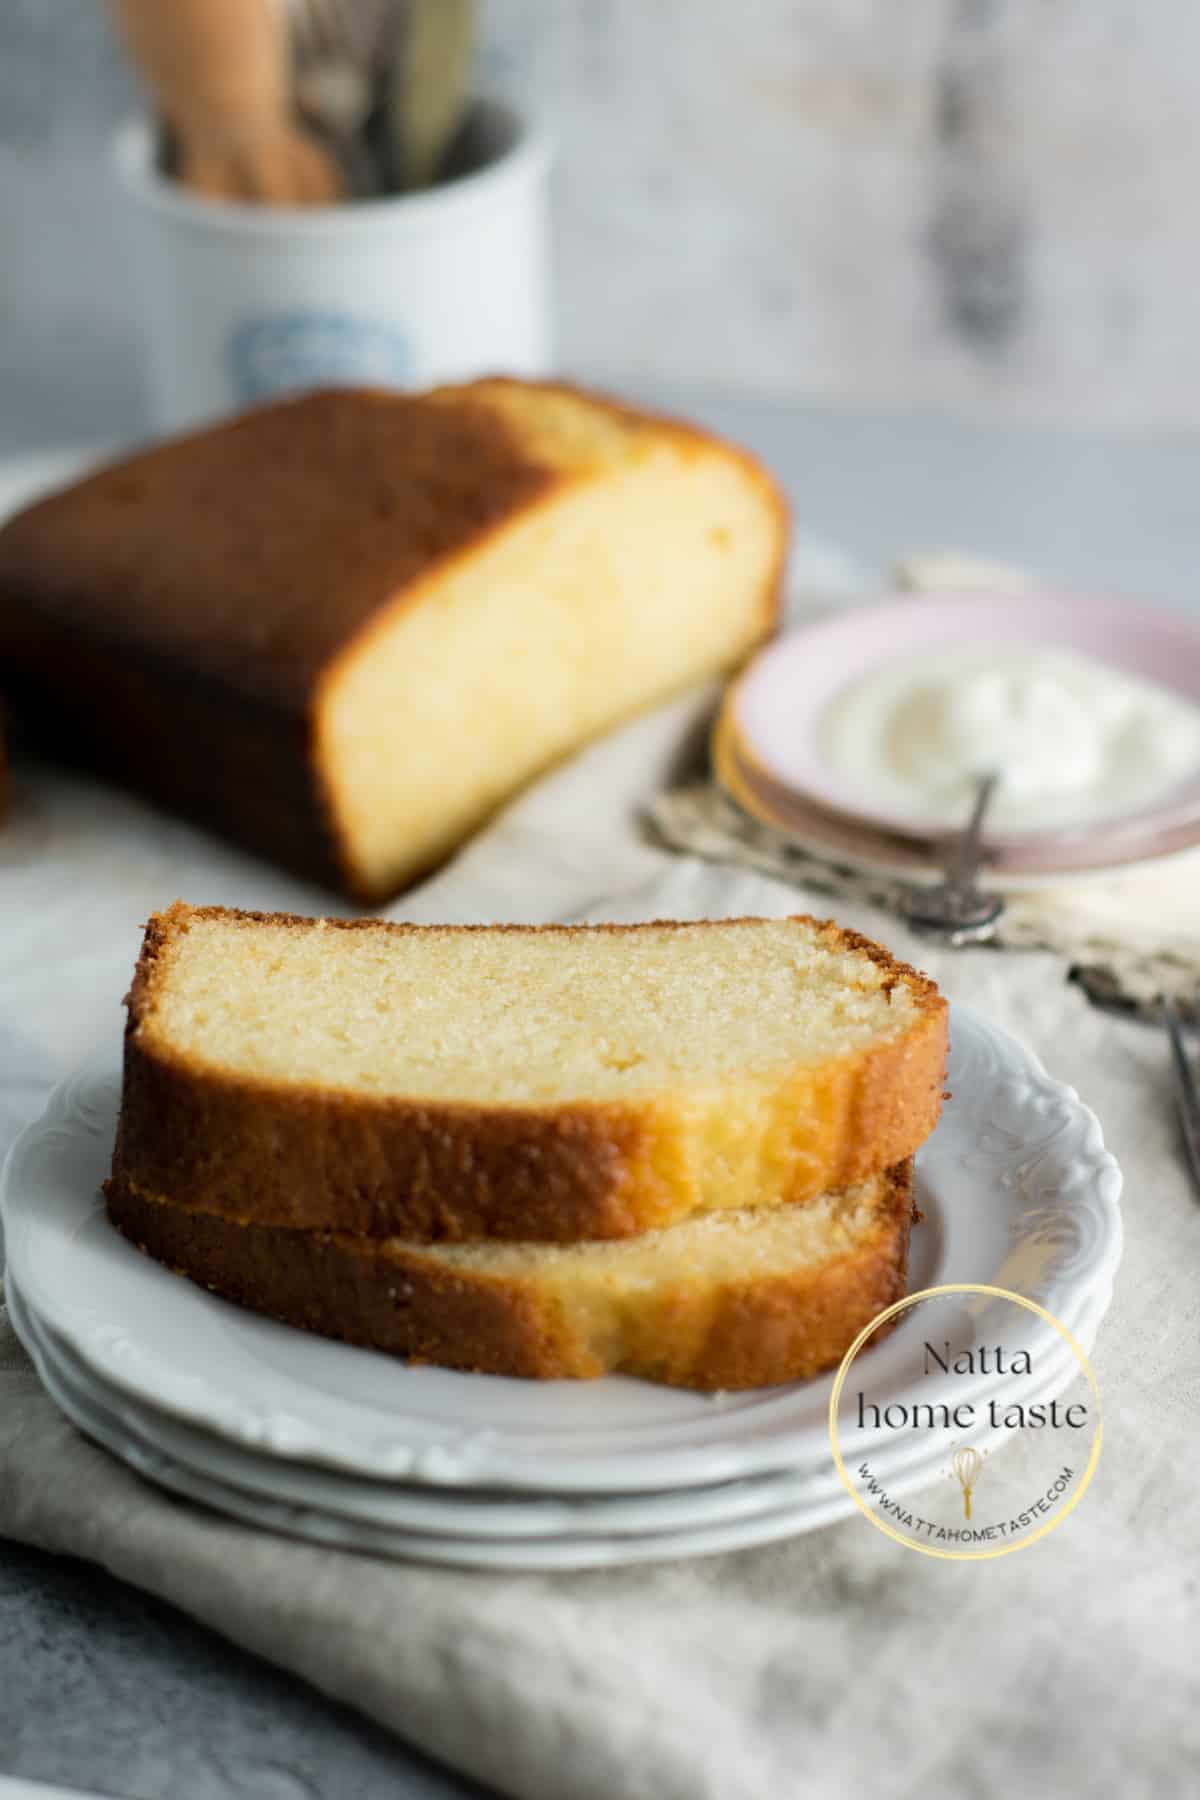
column 965, row 858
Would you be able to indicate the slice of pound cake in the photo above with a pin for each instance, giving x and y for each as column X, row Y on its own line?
column 551, row 1084
column 344, row 628
column 736, row 1299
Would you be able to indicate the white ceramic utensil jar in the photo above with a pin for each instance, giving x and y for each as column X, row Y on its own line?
column 245, row 302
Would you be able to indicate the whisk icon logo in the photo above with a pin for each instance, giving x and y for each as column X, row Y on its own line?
column 965, row 1421
column 967, row 1464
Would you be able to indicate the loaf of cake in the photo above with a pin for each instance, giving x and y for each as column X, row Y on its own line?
column 553, row 1083
column 344, row 628
column 735, row 1299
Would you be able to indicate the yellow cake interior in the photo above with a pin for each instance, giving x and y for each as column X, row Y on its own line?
column 564, row 1015
column 649, row 564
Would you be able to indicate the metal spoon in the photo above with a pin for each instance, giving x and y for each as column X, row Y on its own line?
column 957, row 910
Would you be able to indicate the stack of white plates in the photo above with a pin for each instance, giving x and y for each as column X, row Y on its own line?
column 322, row 1441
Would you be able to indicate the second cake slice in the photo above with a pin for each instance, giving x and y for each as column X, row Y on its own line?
column 735, row 1299
column 520, row 1083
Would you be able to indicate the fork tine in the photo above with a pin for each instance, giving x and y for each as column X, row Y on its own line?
column 359, row 26
column 343, row 18
column 1185, row 1087
column 295, row 13
column 329, row 27
column 295, row 16
column 312, row 33
column 1188, row 1008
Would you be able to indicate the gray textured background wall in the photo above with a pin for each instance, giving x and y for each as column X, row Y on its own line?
column 981, row 204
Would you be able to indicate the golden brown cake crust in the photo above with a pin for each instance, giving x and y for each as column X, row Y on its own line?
column 737, row 1333
column 282, row 528
column 170, row 620
column 304, row 1157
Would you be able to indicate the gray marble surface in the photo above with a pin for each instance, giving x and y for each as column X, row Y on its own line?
column 1110, row 510
column 106, row 1689
column 103, row 1688
column 987, row 202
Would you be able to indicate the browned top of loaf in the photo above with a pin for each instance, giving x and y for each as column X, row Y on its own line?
column 253, row 551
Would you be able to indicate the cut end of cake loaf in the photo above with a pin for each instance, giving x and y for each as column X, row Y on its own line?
column 548, row 1083
column 344, row 628
column 651, row 560
column 736, row 1300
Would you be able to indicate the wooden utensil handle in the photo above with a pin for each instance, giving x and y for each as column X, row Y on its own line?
column 217, row 66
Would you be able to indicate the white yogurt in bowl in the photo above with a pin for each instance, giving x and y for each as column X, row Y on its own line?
column 883, row 715
column 1073, row 739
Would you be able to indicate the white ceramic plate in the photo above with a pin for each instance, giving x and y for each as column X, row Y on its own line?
column 1017, row 1190
column 592, row 1544
column 447, row 1513
column 394, row 1505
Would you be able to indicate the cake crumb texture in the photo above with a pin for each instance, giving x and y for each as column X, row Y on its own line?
column 524, row 1083
column 737, row 1300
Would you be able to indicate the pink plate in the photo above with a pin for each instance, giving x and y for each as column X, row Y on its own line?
column 841, row 839
column 775, row 709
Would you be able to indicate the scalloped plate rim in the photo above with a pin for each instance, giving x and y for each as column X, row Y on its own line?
column 454, row 1513
column 591, row 1546
column 752, row 1433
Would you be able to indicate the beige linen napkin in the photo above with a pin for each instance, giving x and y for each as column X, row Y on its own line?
column 837, row 1663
